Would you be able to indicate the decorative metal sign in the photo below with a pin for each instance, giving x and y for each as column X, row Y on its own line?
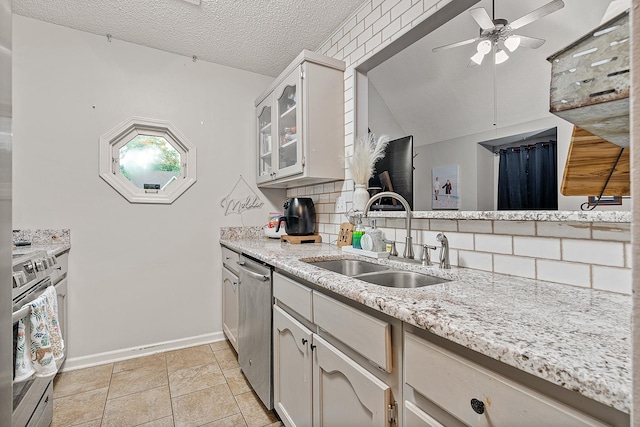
column 241, row 198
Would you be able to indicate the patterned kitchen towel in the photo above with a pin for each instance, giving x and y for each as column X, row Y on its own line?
column 24, row 368
column 41, row 352
column 55, row 334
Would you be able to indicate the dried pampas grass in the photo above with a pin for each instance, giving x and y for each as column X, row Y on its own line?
column 366, row 152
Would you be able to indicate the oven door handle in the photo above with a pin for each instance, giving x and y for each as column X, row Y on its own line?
column 252, row 274
column 20, row 313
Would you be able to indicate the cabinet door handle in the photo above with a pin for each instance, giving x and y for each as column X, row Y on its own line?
column 304, row 341
column 313, row 346
column 477, row 406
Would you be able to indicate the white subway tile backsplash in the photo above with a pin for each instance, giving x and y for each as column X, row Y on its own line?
column 593, row 252
column 522, row 228
column 627, row 255
column 411, row 14
column 350, row 47
column 348, row 127
column 427, row 237
column 514, row 266
column 356, row 31
column 388, row 5
column 372, row 17
column 357, row 54
column 612, row 279
column 443, row 225
column 365, row 35
column 350, row 24
column 327, row 188
column 344, row 40
column 457, row 240
column 563, row 229
column 494, row 243
column 420, row 224
column 337, row 36
column 390, row 29
column 400, row 8
column 375, row 41
column 381, row 23
column 477, row 260
column 332, row 50
column 475, row 226
column 619, row 232
column 564, row 272
column 365, row 10
column 538, row 247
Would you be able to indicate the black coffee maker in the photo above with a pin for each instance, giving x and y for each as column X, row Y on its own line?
column 299, row 217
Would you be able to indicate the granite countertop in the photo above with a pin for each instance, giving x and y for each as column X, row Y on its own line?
column 574, row 337
column 52, row 250
column 550, row 216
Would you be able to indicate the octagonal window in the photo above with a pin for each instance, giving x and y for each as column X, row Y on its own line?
column 147, row 161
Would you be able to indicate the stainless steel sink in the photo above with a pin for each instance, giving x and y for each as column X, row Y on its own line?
column 349, row 267
column 379, row 274
column 401, row 279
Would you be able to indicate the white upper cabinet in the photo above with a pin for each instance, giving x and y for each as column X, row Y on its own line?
column 300, row 124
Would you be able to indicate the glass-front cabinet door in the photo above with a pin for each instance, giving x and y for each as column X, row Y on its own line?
column 265, row 141
column 289, row 118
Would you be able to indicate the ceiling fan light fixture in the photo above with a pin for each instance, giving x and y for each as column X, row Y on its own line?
column 478, row 57
column 501, row 56
column 484, row 47
column 512, row 43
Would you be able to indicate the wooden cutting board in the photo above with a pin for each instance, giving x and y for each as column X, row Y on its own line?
column 346, row 233
column 589, row 163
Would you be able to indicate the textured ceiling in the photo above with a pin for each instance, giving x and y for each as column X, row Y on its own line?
column 262, row 36
column 436, row 97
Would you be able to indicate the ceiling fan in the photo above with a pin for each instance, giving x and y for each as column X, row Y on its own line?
column 499, row 33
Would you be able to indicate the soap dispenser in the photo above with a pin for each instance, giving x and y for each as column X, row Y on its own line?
column 357, row 234
column 377, row 238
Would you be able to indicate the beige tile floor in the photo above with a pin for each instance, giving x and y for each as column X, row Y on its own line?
column 195, row 386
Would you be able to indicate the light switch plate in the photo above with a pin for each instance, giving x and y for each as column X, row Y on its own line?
column 341, row 205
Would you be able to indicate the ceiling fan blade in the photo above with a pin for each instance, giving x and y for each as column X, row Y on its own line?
column 457, row 44
column 531, row 42
column 537, row 14
column 482, row 18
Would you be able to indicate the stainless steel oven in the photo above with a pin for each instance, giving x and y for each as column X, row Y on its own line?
column 32, row 275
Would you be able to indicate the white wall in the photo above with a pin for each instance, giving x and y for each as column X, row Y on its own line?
column 381, row 119
column 139, row 274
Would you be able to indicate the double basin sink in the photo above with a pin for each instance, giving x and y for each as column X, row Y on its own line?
column 379, row 274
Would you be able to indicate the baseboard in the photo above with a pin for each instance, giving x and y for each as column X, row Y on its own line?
column 74, row 363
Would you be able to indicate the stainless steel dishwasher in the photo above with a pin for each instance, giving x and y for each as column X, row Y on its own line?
column 254, row 329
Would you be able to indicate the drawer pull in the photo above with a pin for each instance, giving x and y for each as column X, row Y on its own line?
column 304, row 341
column 477, row 406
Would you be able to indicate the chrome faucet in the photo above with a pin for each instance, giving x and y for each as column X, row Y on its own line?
column 444, row 251
column 408, row 245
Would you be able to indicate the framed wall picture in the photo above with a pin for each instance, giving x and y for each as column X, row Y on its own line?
column 445, row 188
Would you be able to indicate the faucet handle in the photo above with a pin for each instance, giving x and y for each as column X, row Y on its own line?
column 394, row 251
column 426, row 258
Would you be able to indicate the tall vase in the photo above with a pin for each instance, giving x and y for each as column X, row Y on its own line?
column 360, row 197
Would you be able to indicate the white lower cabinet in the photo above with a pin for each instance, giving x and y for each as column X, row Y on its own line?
column 230, row 306
column 292, row 370
column 344, row 393
column 315, row 383
column 416, row 417
column 476, row 396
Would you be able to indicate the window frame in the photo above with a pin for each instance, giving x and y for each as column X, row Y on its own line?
column 122, row 134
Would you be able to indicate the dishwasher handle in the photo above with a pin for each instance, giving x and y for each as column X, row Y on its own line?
column 252, row 274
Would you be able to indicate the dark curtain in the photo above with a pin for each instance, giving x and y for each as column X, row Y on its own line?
column 528, row 178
